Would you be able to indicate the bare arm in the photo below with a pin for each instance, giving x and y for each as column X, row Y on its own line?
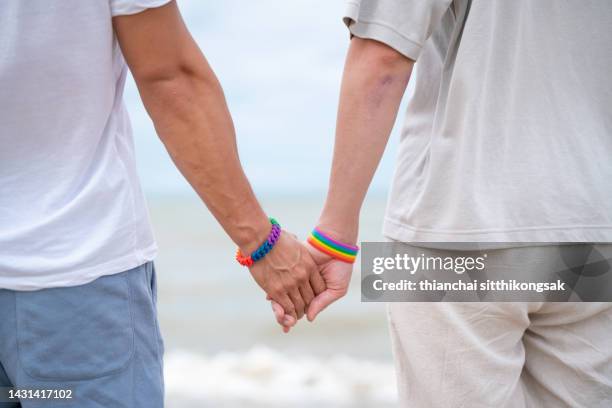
column 186, row 103
column 374, row 81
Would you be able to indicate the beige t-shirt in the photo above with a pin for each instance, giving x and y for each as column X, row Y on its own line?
column 508, row 136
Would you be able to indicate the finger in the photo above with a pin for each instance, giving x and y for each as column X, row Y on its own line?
column 288, row 306
column 320, row 303
column 307, row 293
column 317, row 283
column 289, row 321
column 282, row 319
column 279, row 312
column 298, row 302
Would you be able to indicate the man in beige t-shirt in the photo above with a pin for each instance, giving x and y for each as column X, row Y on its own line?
column 507, row 138
column 508, row 134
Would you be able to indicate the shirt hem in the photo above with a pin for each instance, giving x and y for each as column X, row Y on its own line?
column 380, row 31
column 81, row 276
column 130, row 9
column 403, row 232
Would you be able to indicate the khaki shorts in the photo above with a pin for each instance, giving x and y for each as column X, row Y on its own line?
column 502, row 355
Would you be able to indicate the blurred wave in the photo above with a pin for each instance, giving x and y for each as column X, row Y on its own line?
column 212, row 314
column 262, row 377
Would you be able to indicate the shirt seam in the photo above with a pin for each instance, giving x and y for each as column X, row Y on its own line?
column 493, row 231
column 81, row 276
column 388, row 27
column 130, row 9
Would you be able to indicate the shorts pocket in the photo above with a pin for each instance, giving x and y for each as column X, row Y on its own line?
column 76, row 333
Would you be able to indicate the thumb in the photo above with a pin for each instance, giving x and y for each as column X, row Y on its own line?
column 320, row 302
column 283, row 319
column 279, row 313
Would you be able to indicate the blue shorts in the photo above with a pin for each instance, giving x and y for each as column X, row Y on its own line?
column 100, row 340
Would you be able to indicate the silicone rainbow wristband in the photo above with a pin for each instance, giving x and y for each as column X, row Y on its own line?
column 264, row 248
column 331, row 247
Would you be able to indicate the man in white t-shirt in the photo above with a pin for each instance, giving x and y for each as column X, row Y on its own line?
column 77, row 283
column 507, row 138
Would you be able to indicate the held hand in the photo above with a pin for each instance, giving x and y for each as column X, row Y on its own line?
column 289, row 276
column 337, row 276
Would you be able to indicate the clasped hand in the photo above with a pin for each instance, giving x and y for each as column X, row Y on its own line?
column 299, row 280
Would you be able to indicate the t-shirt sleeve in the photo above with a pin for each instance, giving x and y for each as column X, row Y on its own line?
column 126, row 7
column 403, row 25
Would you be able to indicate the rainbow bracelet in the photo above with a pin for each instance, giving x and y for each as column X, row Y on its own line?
column 326, row 244
column 264, row 248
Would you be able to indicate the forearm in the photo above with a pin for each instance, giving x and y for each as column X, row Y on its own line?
column 186, row 103
column 192, row 119
column 374, row 81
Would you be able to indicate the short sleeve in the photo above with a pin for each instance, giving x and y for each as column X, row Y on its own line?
column 403, row 25
column 126, row 7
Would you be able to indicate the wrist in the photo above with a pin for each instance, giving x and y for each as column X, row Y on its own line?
column 331, row 245
column 263, row 249
column 340, row 219
column 344, row 229
column 250, row 235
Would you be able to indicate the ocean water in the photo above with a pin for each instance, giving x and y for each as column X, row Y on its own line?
column 223, row 346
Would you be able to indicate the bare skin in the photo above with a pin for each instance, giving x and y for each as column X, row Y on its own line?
column 374, row 81
column 186, row 103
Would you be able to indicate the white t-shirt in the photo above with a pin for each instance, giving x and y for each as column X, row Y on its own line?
column 508, row 136
column 71, row 207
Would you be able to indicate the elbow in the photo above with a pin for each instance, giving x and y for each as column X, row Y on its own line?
column 176, row 76
column 180, row 73
column 388, row 59
column 172, row 94
column 384, row 63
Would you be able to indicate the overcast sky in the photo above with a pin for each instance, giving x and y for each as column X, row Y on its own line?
column 280, row 64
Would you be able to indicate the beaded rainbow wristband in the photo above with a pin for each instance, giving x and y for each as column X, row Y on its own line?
column 263, row 250
column 331, row 247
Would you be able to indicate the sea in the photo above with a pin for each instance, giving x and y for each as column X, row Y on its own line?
column 223, row 347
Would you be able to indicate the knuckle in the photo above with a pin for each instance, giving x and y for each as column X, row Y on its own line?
column 291, row 286
column 277, row 288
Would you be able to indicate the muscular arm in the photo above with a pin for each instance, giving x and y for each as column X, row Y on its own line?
column 186, row 103
column 374, row 81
